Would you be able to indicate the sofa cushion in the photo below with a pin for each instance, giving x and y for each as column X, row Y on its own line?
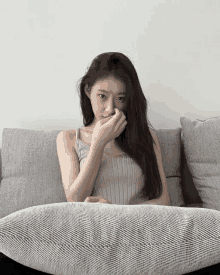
column 97, row 238
column 170, row 145
column 202, row 150
column 30, row 170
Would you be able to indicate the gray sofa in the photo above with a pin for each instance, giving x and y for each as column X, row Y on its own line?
column 43, row 232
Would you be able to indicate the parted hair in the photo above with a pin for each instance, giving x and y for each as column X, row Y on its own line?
column 136, row 140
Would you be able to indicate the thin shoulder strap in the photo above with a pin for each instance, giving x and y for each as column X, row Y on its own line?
column 77, row 133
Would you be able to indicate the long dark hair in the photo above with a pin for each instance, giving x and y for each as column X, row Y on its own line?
column 136, row 140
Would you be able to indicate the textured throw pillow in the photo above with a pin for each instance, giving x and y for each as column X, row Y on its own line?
column 96, row 238
column 30, row 170
column 201, row 141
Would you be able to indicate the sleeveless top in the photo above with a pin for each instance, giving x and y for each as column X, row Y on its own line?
column 119, row 178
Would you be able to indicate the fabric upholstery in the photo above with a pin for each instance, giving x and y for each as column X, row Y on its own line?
column 170, row 145
column 202, row 149
column 95, row 238
column 190, row 193
column 31, row 172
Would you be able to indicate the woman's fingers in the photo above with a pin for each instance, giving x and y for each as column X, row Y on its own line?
column 97, row 199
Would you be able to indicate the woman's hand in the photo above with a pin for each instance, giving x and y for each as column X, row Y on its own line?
column 98, row 199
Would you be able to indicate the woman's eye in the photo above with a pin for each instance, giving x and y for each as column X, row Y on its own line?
column 103, row 95
column 119, row 97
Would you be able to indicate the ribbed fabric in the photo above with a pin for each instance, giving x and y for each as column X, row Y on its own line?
column 77, row 238
column 119, row 178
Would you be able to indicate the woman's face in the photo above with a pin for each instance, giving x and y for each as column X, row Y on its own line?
column 112, row 95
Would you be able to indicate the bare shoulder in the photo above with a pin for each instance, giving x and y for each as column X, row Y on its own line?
column 70, row 136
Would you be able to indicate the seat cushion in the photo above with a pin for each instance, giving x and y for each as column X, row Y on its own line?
column 98, row 238
column 202, row 151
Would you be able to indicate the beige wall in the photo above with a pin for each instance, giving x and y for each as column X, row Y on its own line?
column 46, row 47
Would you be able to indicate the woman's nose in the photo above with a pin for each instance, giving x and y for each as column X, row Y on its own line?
column 110, row 108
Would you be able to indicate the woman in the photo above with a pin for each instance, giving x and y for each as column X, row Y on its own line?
column 111, row 83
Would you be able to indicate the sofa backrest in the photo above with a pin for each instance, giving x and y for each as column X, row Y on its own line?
column 190, row 193
column 172, row 137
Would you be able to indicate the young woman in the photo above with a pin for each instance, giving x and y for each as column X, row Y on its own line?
column 112, row 158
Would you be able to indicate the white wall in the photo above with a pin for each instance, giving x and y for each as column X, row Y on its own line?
column 46, row 46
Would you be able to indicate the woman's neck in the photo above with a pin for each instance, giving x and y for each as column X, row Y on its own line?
column 111, row 144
